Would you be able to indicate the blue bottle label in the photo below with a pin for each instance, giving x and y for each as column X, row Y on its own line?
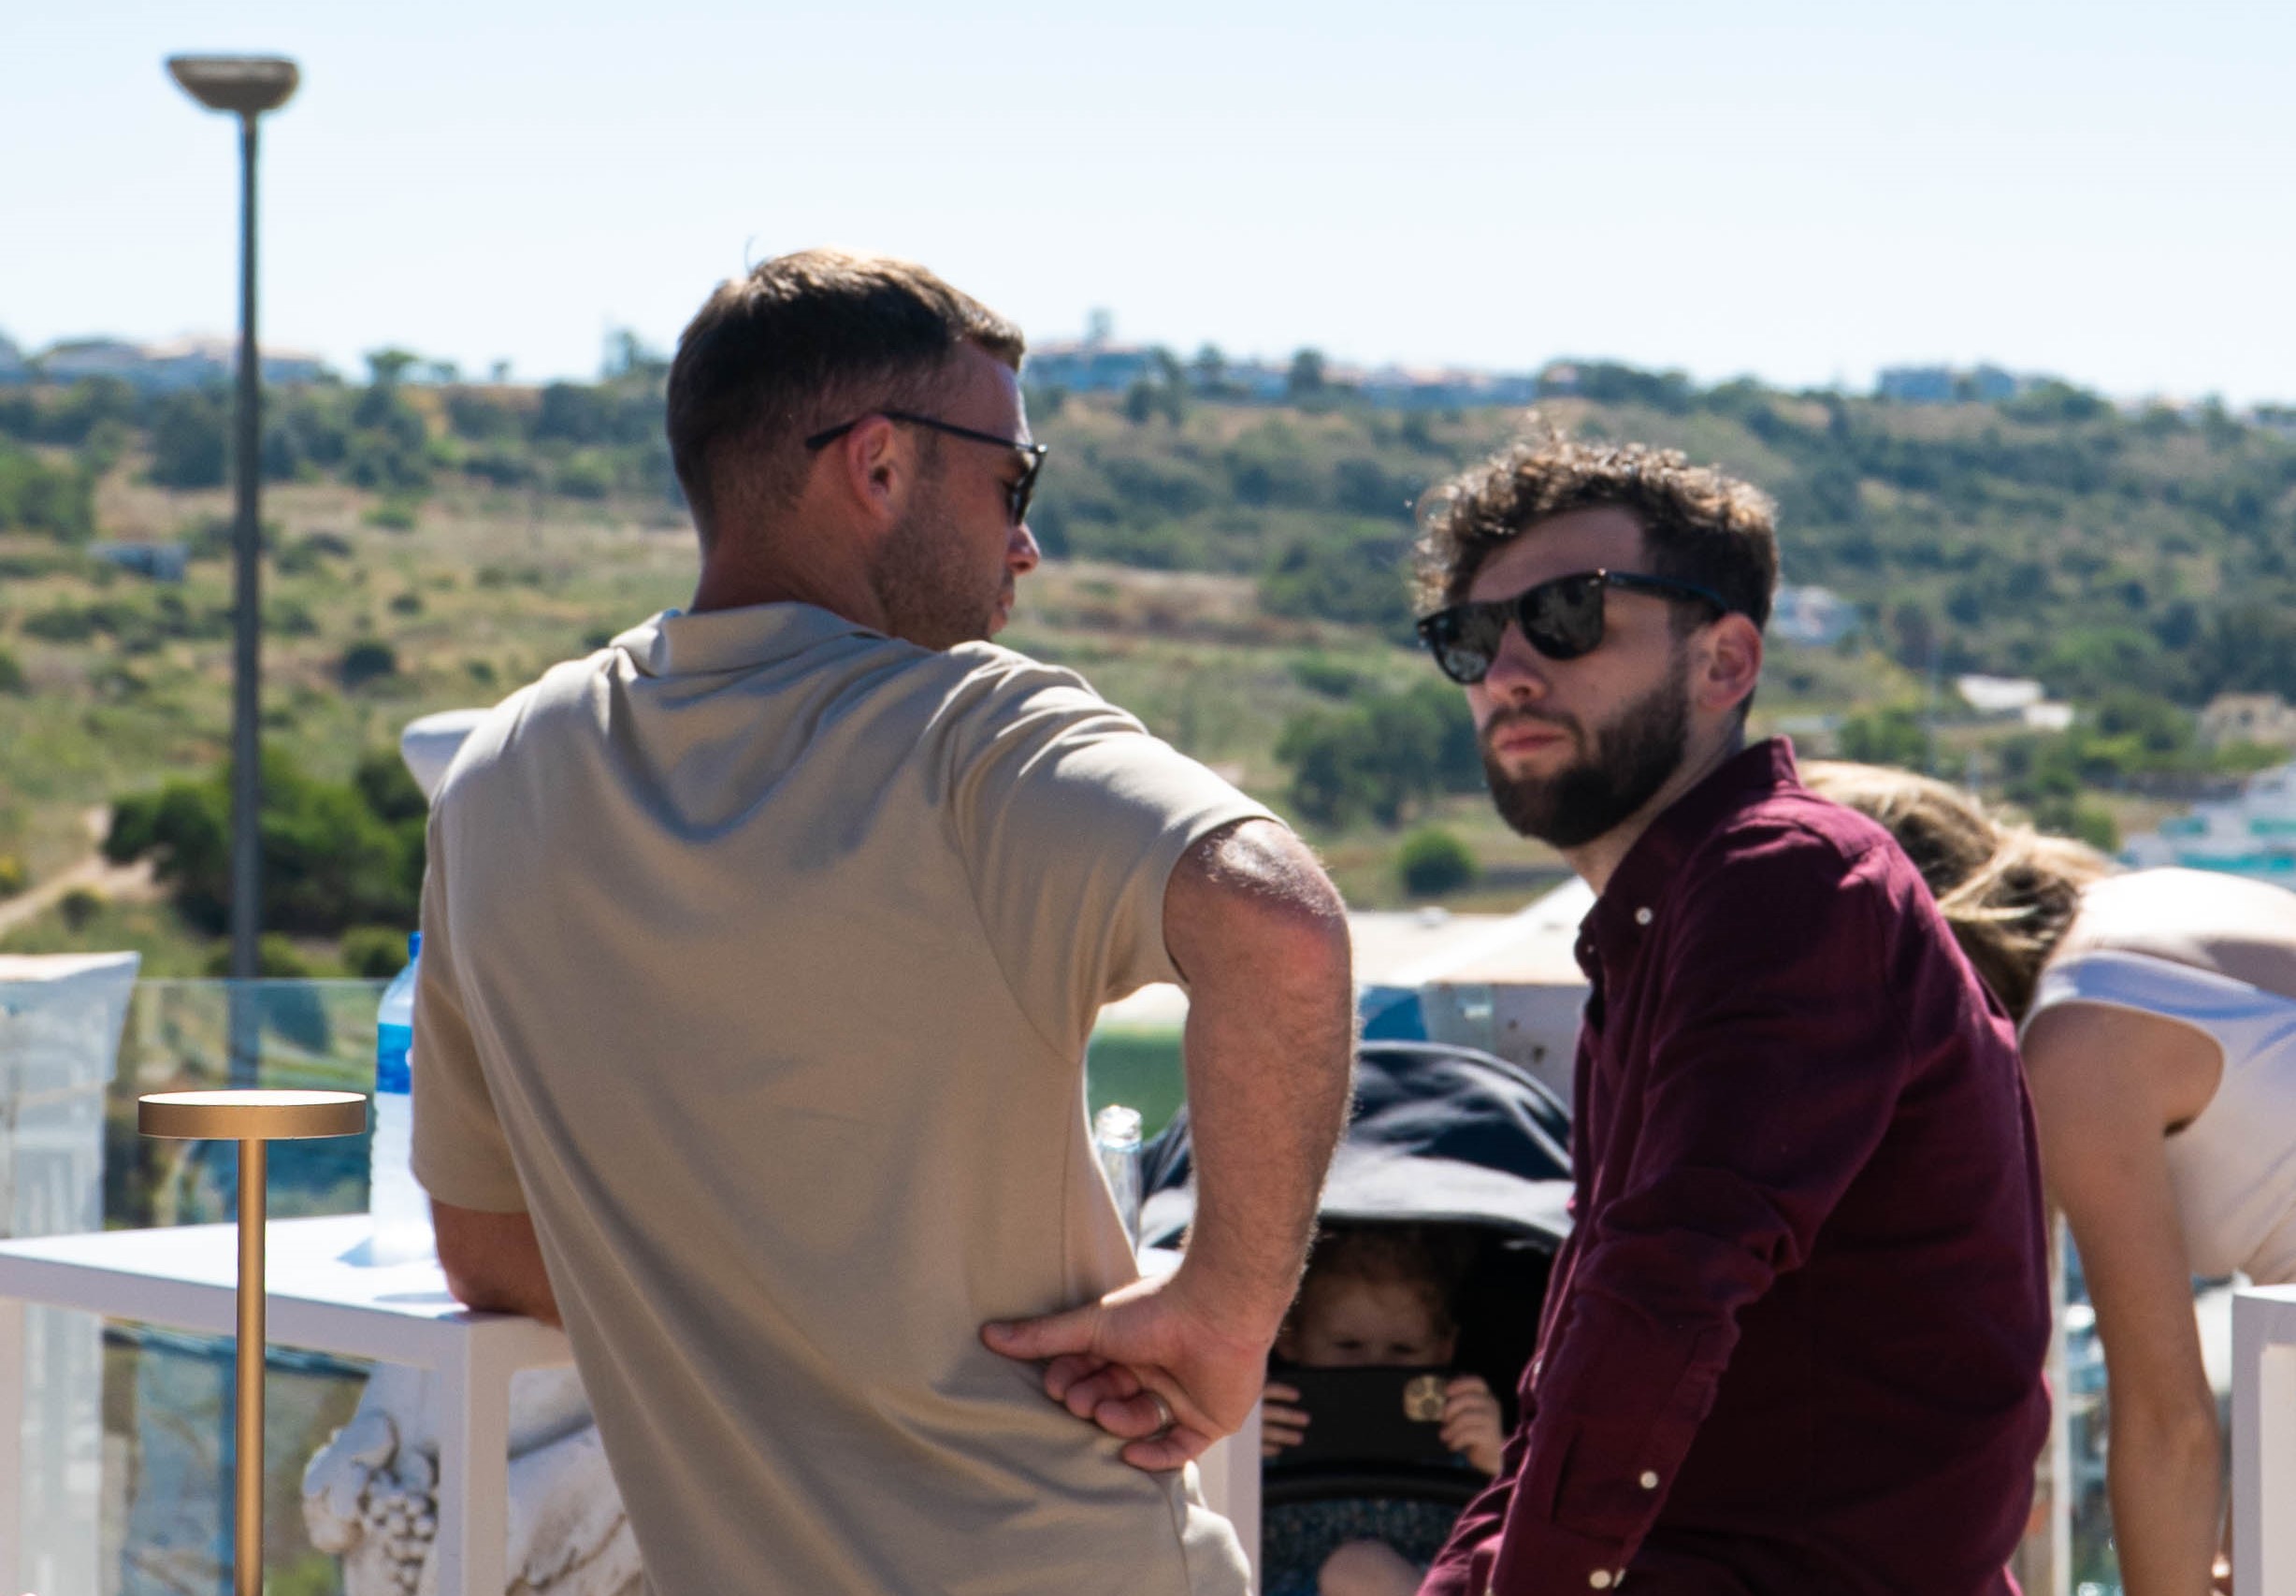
column 394, row 1047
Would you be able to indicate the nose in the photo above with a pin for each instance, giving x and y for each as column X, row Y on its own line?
column 1021, row 555
column 1519, row 672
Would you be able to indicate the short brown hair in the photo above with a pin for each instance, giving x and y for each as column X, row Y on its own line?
column 2008, row 892
column 1701, row 527
column 771, row 355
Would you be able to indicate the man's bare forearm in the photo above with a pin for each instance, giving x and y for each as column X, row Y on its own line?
column 1260, row 936
column 493, row 1261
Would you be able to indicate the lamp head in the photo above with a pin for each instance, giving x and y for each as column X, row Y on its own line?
column 245, row 85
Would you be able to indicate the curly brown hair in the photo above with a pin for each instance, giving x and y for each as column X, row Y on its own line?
column 1701, row 525
column 2009, row 892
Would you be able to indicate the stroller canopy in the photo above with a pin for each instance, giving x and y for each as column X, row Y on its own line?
column 1436, row 1135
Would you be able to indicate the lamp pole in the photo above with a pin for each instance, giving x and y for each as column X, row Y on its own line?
column 246, row 86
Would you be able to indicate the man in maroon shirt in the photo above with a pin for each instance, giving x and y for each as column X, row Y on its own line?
column 1794, row 1343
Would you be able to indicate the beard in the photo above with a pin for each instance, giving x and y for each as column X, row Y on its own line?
column 935, row 594
column 1630, row 759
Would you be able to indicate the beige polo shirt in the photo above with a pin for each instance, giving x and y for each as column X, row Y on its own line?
column 759, row 955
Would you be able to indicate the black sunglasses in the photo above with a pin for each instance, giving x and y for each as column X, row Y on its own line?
column 1017, row 493
column 1561, row 618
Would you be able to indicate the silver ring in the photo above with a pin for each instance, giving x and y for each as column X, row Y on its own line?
column 1165, row 1418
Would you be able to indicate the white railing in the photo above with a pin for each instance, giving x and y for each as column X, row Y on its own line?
column 2264, row 1440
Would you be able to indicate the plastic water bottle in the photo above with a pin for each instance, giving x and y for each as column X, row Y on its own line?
column 398, row 1205
column 1115, row 1135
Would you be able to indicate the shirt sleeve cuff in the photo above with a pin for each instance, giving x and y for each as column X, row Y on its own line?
column 1540, row 1560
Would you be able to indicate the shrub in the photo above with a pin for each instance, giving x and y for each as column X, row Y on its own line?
column 276, row 960
column 366, row 662
column 79, row 907
column 587, row 474
column 13, row 876
column 374, row 953
column 1327, row 676
column 1433, row 862
column 11, row 675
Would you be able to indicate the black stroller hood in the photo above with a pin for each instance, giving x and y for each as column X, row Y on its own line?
column 1436, row 1135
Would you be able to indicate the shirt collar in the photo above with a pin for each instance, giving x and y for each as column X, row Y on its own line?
column 674, row 643
column 1639, row 888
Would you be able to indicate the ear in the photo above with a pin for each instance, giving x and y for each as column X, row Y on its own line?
column 871, row 468
column 1730, row 665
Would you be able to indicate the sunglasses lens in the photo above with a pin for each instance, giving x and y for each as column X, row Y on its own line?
column 1464, row 640
column 1025, row 489
column 1563, row 619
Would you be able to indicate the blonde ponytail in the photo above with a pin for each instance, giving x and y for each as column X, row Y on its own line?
column 2007, row 891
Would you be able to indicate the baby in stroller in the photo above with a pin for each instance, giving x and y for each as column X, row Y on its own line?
column 1375, row 1296
column 1440, row 1219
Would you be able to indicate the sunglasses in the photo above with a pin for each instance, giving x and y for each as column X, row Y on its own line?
column 1561, row 618
column 1017, row 493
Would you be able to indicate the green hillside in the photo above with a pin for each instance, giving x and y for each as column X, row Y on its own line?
column 1230, row 572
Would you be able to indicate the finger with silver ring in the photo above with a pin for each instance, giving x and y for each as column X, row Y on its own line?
column 1165, row 1418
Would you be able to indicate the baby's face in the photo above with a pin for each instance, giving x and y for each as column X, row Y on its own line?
column 1352, row 1324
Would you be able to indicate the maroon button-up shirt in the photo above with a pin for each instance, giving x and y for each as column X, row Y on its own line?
column 1794, row 1343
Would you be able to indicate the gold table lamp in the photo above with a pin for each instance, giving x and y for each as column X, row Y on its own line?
column 252, row 1119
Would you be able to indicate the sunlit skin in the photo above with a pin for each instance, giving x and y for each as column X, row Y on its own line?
column 1350, row 1323
column 1536, row 715
column 861, row 492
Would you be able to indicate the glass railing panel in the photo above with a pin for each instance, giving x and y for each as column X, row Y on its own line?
column 202, row 1035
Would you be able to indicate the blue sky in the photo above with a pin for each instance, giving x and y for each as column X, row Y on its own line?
column 1802, row 191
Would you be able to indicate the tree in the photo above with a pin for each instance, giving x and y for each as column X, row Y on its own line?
column 330, row 858
column 191, row 439
column 1433, row 862
column 1305, row 380
column 1382, row 757
column 37, row 496
column 1355, row 576
column 1208, row 371
column 1890, row 736
column 385, row 366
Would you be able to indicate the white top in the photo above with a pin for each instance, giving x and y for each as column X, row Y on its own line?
column 2234, row 1166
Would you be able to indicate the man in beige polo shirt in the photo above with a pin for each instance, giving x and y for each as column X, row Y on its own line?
column 761, row 951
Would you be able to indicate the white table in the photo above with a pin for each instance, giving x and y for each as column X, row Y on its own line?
column 2264, row 1440
column 324, row 1296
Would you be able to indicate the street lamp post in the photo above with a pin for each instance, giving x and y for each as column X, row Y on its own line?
column 245, row 86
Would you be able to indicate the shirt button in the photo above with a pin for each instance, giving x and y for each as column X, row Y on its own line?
column 1599, row 1579
column 1649, row 1479
column 1642, row 916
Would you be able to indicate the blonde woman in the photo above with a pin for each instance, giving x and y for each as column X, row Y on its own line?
column 2158, row 1012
